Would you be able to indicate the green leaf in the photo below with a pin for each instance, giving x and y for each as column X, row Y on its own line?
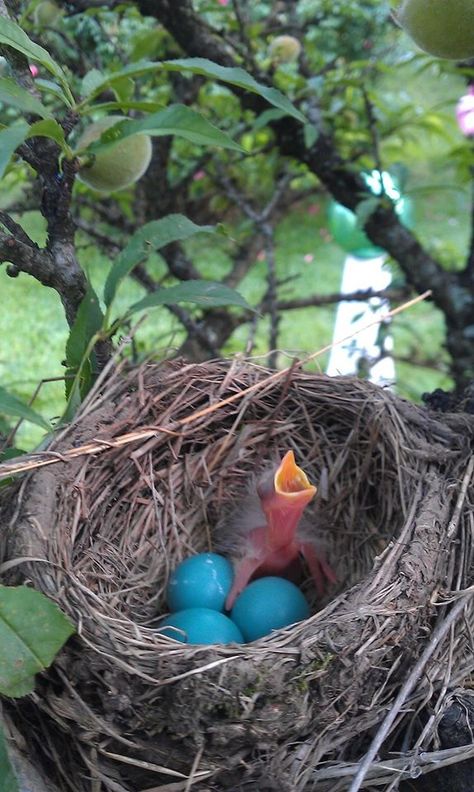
column 206, row 293
column 144, row 107
column 124, row 89
column 146, row 43
column 32, row 631
column 108, row 80
column 14, row 95
column 73, row 394
column 11, row 453
column 235, row 76
column 88, row 322
column 10, row 138
column 9, row 781
column 310, row 135
column 91, row 81
column 11, row 405
column 177, row 120
column 266, row 118
column 51, row 87
column 206, row 68
column 80, row 356
column 150, row 237
column 13, row 36
column 51, row 129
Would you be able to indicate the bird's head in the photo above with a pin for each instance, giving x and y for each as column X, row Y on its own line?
column 284, row 494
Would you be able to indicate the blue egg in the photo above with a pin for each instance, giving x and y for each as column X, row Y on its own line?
column 267, row 604
column 202, row 581
column 201, row 626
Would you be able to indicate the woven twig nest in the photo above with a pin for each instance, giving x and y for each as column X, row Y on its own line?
column 125, row 709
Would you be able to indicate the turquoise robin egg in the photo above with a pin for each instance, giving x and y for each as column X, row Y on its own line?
column 201, row 581
column 267, row 604
column 201, row 626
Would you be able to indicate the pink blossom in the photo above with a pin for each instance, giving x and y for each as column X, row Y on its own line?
column 33, row 70
column 223, row 2
column 314, row 209
column 199, row 175
column 308, row 258
column 261, row 255
column 465, row 113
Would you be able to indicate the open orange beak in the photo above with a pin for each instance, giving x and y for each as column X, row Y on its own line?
column 285, row 502
column 291, row 483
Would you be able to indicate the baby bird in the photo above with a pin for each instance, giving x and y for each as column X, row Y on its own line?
column 264, row 535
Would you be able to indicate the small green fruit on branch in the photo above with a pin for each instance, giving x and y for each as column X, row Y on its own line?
column 46, row 14
column 284, row 49
column 118, row 166
column 443, row 28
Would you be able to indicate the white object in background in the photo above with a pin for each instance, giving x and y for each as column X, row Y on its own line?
column 352, row 316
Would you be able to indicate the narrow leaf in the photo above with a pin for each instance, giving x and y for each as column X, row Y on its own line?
column 32, row 631
column 7, row 775
column 206, row 293
column 177, row 120
column 150, row 237
column 10, row 138
column 13, row 36
column 11, row 405
column 14, row 95
column 88, row 321
column 235, row 76
column 232, row 76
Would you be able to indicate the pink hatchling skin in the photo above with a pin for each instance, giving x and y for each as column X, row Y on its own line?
column 265, row 535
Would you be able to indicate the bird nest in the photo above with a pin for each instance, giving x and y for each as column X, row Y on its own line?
column 142, row 479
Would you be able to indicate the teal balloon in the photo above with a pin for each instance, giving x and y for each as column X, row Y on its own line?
column 343, row 223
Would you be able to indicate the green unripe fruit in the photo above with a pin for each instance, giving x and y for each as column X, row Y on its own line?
column 285, row 49
column 116, row 167
column 46, row 14
column 443, row 28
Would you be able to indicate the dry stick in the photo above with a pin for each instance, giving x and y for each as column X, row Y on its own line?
column 438, row 635
column 97, row 446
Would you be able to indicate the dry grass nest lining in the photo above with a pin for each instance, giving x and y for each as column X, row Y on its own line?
column 128, row 708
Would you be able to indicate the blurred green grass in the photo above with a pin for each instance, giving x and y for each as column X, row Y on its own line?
column 33, row 331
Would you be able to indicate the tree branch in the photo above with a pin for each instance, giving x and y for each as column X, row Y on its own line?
column 15, row 228
column 197, row 38
column 27, row 258
column 363, row 295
